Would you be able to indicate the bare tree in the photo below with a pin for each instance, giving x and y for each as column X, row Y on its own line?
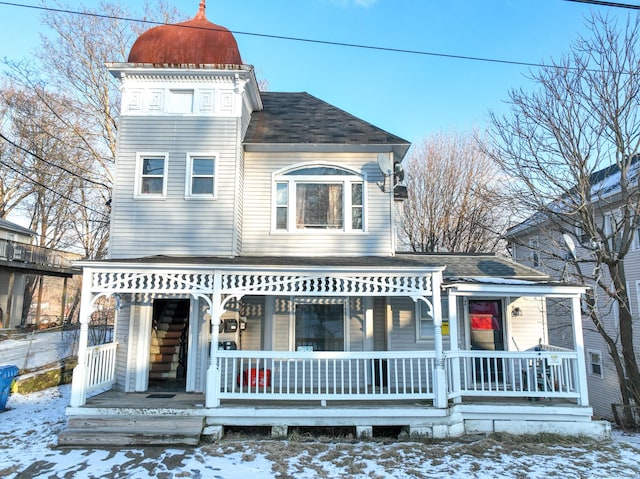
column 556, row 145
column 70, row 83
column 13, row 187
column 453, row 204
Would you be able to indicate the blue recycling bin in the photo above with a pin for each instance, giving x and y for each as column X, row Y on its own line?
column 7, row 373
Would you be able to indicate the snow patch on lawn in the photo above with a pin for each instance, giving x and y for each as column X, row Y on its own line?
column 29, row 428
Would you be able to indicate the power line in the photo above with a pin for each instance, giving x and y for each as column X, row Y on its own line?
column 606, row 4
column 66, row 170
column 297, row 39
column 42, row 185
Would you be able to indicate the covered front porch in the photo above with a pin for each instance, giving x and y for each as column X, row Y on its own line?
column 442, row 389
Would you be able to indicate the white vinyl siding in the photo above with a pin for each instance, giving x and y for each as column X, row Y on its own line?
column 176, row 226
column 259, row 238
column 528, row 329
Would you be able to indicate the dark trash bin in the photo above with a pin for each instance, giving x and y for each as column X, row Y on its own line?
column 7, row 373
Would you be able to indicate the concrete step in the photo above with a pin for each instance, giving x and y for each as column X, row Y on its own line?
column 131, row 430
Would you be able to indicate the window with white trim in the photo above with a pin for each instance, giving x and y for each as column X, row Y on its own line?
column 151, row 174
column 201, row 175
column 612, row 228
column 535, row 253
column 635, row 245
column 595, row 363
column 319, row 197
column 424, row 320
column 319, row 324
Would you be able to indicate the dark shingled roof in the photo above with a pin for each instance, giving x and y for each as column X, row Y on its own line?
column 300, row 118
column 457, row 265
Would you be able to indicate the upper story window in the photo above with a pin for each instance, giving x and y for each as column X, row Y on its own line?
column 151, row 175
column 319, row 197
column 201, row 175
column 535, row 252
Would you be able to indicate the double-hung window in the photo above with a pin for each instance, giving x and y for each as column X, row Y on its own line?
column 595, row 363
column 201, row 175
column 151, row 175
column 319, row 197
column 425, row 321
column 535, row 252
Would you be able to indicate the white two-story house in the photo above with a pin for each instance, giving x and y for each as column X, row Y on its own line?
column 253, row 263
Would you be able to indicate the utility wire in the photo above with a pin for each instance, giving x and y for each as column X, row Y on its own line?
column 606, row 4
column 39, row 158
column 296, row 39
column 24, row 175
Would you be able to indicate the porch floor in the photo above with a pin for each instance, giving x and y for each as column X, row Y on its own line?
column 172, row 399
column 163, row 417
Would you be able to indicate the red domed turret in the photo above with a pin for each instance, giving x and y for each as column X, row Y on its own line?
column 197, row 41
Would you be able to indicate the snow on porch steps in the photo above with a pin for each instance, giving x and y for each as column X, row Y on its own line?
column 134, row 430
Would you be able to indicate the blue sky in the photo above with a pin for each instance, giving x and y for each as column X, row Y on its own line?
column 409, row 95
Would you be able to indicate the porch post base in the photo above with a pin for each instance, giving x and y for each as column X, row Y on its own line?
column 440, row 389
column 212, row 398
column 78, row 391
column 213, row 433
column 364, row 432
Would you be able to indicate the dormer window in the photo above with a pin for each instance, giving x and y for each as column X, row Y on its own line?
column 319, row 197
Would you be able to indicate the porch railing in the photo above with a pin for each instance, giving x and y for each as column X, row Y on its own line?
column 326, row 375
column 101, row 364
column 32, row 254
column 396, row 375
column 548, row 373
column 284, row 375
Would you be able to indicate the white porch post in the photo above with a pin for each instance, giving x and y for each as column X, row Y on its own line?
column 212, row 398
column 440, row 376
column 578, row 341
column 79, row 381
column 453, row 343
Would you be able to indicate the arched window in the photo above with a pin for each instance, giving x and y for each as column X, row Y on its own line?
column 319, row 197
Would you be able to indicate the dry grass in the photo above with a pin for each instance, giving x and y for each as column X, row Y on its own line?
column 304, row 454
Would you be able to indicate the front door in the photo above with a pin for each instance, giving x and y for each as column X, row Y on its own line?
column 487, row 332
column 169, row 341
column 487, row 335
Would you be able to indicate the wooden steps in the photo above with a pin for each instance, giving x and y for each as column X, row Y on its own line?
column 141, row 430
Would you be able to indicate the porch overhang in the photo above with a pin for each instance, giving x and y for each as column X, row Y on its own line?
column 236, row 277
column 512, row 287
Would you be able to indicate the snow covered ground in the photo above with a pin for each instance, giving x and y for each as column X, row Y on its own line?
column 28, row 450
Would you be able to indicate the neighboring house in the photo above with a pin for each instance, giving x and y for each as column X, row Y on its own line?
column 20, row 258
column 539, row 244
column 253, row 261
